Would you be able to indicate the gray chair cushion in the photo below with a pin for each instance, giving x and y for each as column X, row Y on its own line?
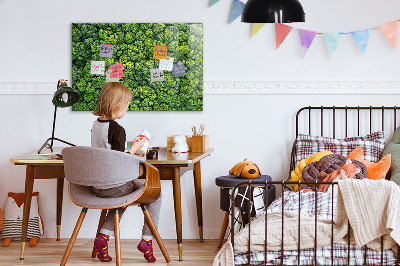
column 84, row 196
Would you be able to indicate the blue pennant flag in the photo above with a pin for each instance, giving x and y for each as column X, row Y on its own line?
column 237, row 9
column 332, row 41
column 361, row 38
column 213, row 2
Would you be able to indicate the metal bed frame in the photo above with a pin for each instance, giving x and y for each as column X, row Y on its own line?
column 283, row 184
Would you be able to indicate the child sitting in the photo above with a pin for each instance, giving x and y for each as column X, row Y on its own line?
column 106, row 133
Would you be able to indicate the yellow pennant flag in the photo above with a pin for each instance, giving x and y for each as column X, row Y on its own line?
column 256, row 28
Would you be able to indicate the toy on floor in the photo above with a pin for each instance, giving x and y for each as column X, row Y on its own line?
column 245, row 169
column 1, row 219
column 13, row 215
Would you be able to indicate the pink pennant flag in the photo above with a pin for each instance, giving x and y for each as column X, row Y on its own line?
column 389, row 30
column 281, row 31
column 306, row 39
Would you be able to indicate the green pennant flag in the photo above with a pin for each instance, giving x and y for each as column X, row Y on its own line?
column 332, row 41
column 213, row 2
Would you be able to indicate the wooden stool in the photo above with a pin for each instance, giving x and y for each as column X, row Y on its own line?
column 226, row 183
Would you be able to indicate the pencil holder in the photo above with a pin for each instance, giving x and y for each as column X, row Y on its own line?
column 200, row 143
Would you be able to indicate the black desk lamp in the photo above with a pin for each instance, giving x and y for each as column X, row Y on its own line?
column 273, row 11
column 64, row 97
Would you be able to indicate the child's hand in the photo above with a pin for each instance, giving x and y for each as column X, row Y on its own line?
column 142, row 155
column 137, row 144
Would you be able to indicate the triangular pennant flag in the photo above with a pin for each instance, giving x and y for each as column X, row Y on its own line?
column 332, row 41
column 213, row 2
column 390, row 32
column 281, row 31
column 306, row 39
column 361, row 37
column 255, row 28
column 237, row 9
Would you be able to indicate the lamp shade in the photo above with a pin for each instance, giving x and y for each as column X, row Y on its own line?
column 65, row 96
column 273, row 11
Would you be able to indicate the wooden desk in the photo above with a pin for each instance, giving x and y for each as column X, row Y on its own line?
column 171, row 167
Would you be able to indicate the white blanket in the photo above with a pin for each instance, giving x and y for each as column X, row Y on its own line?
column 371, row 206
column 373, row 209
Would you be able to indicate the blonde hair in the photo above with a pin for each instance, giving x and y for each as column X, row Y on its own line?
column 112, row 99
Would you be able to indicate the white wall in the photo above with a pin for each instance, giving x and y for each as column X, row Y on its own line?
column 35, row 46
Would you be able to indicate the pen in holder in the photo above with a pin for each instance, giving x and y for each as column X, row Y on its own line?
column 200, row 143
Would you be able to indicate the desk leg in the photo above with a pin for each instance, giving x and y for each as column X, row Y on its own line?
column 60, row 190
column 199, row 204
column 176, row 182
column 27, row 206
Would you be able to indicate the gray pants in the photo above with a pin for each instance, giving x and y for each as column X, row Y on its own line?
column 154, row 208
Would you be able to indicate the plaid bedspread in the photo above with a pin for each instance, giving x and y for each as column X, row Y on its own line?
column 321, row 205
column 324, row 257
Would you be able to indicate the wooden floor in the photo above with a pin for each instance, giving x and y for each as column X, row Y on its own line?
column 50, row 252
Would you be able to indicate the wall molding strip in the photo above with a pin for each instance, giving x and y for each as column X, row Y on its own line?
column 244, row 87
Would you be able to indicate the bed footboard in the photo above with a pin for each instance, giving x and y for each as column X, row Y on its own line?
column 309, row 256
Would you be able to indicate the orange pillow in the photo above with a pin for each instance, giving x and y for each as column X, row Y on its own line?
column 375, row 170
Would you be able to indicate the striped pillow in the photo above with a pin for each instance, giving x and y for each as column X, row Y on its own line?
column 372, row 145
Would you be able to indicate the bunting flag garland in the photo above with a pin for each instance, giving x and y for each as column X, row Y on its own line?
column 281, row 31
column 256, row 28
column 332, row 41
column 306, row 39
column 237, row 9
column 389, row 30
column 213, row 2
column 361, row 38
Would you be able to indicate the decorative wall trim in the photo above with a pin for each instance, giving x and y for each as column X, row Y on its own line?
column 250, row 87
column 28, row 88
column 302, row 87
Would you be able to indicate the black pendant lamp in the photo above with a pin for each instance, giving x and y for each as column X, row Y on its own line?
column 273, row 11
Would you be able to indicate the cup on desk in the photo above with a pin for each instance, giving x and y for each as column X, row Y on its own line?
column 152, row 155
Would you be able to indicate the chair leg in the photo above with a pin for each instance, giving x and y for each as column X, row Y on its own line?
column 73, row 237
column 101, row 222
column 154, row 230
column 223, row 229
column 117, row 238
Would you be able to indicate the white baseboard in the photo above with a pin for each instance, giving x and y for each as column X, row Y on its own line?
column 246, row 87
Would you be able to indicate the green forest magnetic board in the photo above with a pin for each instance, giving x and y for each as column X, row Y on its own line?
column 133, row 45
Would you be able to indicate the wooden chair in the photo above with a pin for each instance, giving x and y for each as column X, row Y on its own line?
column 85, row 167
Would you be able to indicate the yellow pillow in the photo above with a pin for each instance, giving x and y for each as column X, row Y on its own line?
column 296, row 174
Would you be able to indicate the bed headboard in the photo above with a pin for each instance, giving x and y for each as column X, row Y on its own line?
column 344, row 121
column 344, row 118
